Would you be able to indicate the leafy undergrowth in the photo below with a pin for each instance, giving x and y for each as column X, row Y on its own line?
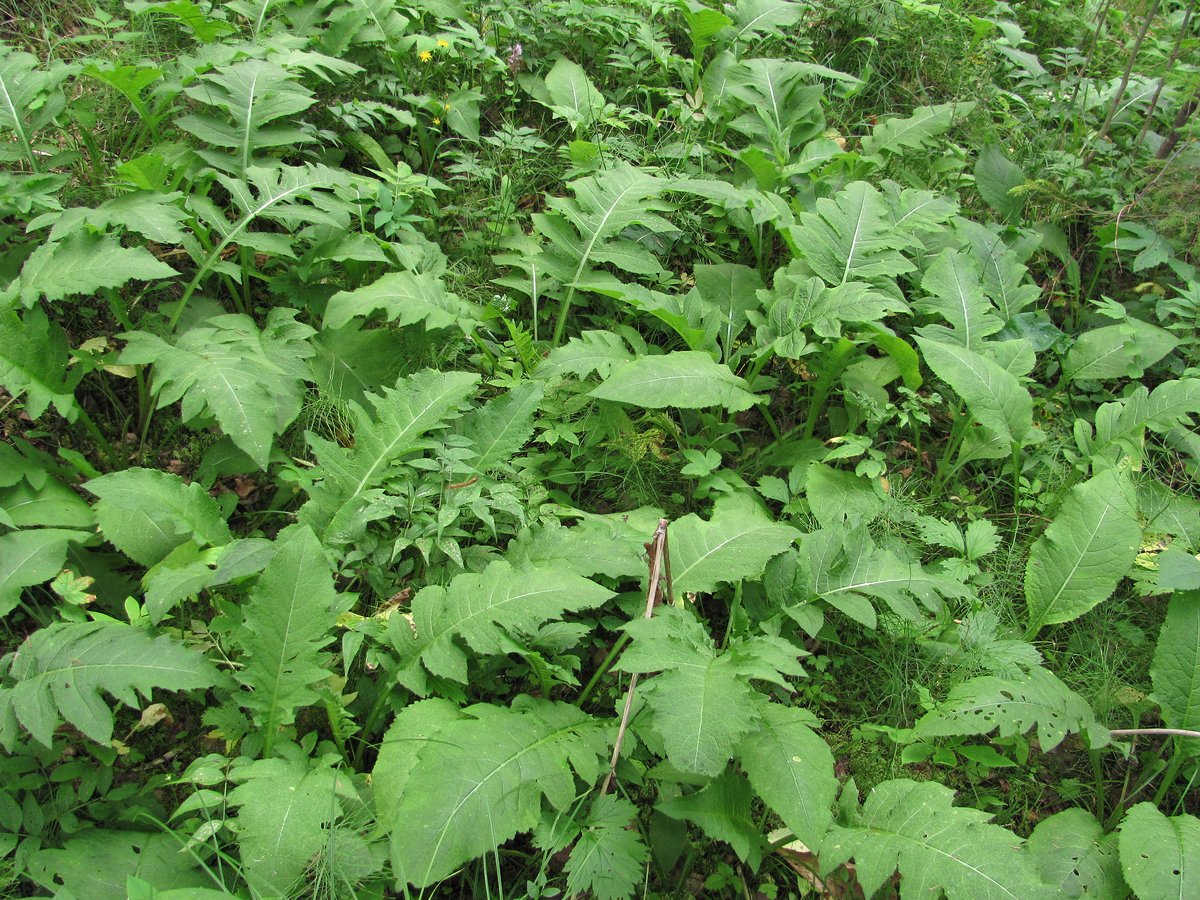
column 546, row 450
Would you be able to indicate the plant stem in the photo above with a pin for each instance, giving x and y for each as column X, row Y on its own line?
column 602, row 670
column 652, row 597
column 1102, row 134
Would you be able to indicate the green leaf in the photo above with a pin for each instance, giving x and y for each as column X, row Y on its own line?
column 1175, row 670
column 1124, row 350
column 736, row 543
column 146, row 513
column 756, row 17
column 85, row 263
column 287, row 623
column 722, row 810
column 573, row 96
column 896, row 135
column 938, row 847
column 851, row 237
column 253, row 94
column 1012, row 706
column 486, row 611
column 1083, row 553
column 847, row 567
column 60, row 670
column 96, row 864
column 286, row 810
column 703, row 25
column 613, row 545
column 702, row 702
column 783, row 110
column 53, row 504
column 995, row 177
column 157, row 217
column 30, row 99
column 1122, row 424
column 839, row 498
column 791, row 769
column 459, row 785
column 993, row 395
column 800, row 303
column 685, row 379
column 733, row 290
column 350, row 493
column 251, row 381
column 1160, row 856
column 33, row 361
column 1004, row 276
column 592, row 351
column 502, row 427
column 953, row 283
column 30, row 557
column 290, row 196
column 608, row 860
column 1076, row 858
column 405, row 298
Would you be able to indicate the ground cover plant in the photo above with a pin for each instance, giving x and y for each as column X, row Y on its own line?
column 571, row 449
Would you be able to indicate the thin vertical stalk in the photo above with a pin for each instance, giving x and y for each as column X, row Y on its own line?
column 1086, row 67
column 659, row 551
column 1183, row 30
column 1102, row 134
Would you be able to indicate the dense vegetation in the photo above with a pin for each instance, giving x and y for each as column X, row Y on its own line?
column 561, row 449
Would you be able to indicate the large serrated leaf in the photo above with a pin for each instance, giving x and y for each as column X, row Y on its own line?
column 252, row 94
column 850, row 237
column 250, row 381
column 573, row 97
column 791, row 768
column 608, row 861
column 1122, row 423
column 286, row 814
column 84, row 263
column 955, row 289
column 98, row 864
column 405, row 298
column 920, row 130
column 462, row 783
column 484, row 611
column 702, row 702
column 736, row 543
column 287, row 623
column 501, row 428
column 1076, row 858
column 62, row 669
column 993, row 395
column 722, row 810
column 685, row 379
column 33, row 361
column 31, row 556
column 1124, row 350
column 996, row 176
column 347, row 496
column 1083, row 553
column 1012, row 706
column 1160, row 856
column 938, row 847
column 1175, row 670
column 146, row 513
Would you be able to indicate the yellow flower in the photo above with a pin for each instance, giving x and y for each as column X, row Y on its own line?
column 437, row 121
column 424, row 56
column 443, row 43
column 445, row 107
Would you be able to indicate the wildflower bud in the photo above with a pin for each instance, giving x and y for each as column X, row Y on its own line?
column 514, row 58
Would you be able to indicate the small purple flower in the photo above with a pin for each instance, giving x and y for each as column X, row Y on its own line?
column 514, row 58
